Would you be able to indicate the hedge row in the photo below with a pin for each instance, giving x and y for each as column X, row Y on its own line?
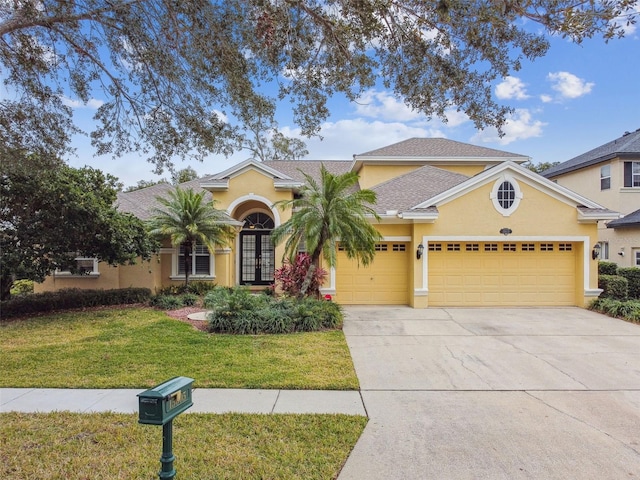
column 619, row 283
column 71, row 298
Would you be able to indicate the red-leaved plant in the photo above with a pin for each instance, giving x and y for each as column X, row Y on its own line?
column 291, row 277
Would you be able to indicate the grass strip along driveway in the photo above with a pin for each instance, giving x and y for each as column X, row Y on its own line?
column 140, row 348
column 206, row 446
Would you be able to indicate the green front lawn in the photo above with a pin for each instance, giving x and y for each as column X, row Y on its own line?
column 79, row 446
column 138, row 348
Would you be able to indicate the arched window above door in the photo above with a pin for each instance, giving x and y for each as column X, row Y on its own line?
column 258, row 221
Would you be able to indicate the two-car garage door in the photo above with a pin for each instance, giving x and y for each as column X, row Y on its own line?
column 517, row 274
column 465, row 274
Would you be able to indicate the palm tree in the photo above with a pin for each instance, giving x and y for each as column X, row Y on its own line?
column 324, row 213
column 187, row 219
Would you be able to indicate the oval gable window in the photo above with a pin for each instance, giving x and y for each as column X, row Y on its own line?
column 506, row 195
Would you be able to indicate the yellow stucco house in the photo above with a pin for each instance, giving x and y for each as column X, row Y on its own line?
column 463, row 225
column 610, row 174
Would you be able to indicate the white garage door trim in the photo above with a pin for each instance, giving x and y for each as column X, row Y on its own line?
column 588, row 292
column 331, row 288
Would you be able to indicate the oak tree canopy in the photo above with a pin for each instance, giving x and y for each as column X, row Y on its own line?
column 186, row 78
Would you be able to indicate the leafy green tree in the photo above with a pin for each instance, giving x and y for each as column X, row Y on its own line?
column 184, row 175
column 324, row 212
column 173, row 76
column 51, row 213
column 177, row 177
column 540, row 167
column 186, row 219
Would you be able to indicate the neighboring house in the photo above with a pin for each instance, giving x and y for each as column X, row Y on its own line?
column 610, row 175
column 463, row 226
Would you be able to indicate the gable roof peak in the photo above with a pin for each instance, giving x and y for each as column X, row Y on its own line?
column 437, row 147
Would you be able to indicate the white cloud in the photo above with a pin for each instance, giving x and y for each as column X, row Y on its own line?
column 546, row 98
column 92, row 104
column 383, row 105
column 344, row 138
column 518, row 126
column 568, row 85
column 455, row 117
column 628, row 28
column 511, row 88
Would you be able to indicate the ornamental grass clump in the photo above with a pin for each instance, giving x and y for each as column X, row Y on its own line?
column 627, row 310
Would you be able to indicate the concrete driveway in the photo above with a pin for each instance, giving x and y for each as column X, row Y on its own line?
column 466, row 393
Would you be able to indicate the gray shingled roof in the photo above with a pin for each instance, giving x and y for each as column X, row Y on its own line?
column 413, row 188
column 626, row 146
column 142, row 202
column 295, row 168
column 439, row 148
column 630, row 220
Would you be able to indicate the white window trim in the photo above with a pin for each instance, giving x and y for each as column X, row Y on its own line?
column 175, row 258
column 633, row 175
column 494, row 195
column 603, row 177
column 93, row 274
column 604, row 250
column 636, row 257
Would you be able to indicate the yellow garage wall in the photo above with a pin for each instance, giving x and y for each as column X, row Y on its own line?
column 538, row 215
column 372, row 175
column 393, row 230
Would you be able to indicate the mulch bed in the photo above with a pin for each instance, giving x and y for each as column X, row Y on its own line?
column 182, row 314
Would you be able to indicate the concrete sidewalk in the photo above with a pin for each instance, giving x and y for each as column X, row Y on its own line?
column 205, row 400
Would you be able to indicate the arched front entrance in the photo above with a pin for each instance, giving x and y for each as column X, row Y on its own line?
column 257, row 253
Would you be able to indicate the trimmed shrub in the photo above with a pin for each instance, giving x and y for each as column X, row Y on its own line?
column 607, row 268
column 239, row 311
column 613, row 286
column 632, row 274
column 198, row 287
column 71, row 298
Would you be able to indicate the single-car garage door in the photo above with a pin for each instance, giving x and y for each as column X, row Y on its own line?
column 516, row 274
column 384, row 282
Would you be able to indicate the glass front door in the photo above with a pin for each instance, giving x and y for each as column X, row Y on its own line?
column 257, row 259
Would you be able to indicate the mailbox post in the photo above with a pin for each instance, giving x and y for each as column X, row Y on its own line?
column 159, row 406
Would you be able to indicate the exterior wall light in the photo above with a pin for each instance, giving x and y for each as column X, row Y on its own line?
column 506, row 231
column 420, row 251
column 595, row 253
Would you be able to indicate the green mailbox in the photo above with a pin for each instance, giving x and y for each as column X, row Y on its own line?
column 164, row 402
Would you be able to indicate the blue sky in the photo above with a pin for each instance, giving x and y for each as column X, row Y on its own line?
column 575, row 98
